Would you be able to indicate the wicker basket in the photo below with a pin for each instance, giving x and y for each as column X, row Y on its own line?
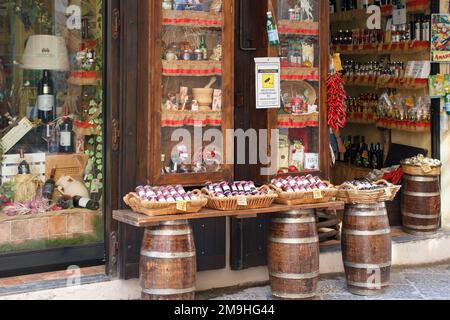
column 421, row 171
column 351, row 195
column 152, row 208
column 232, row 203
column 308, row 197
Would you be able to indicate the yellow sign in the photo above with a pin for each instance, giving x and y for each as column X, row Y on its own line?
column 182, row 206
column 242, row 201
column 268, row 81
column 318, row 194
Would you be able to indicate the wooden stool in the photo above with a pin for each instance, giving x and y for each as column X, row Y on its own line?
column 168, row 267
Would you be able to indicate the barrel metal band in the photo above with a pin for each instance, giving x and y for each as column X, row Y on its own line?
column 294, row 295
column 298, row 212
column 182, row 232
column 294, row 221
column 367, row 232
column 294, row 240
column 294, row 276
column 422, row 194
column 369, row 206
column 431, row 227
column 368, row 285
column 175, row 223
column 366, row 214
column 421, row 216
column 367, row 266
column 168, row 292
column 167, row 255
column 421, row 179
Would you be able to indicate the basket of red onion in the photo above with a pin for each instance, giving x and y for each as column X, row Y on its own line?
column 367, row 192
column 303, row 190
column 238, row 195
column 157, row 201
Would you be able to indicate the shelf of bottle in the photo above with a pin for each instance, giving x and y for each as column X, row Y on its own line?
column 190, row 18
column 389, row 82
column 298, row 121
column 294, row 27
column 405, row 125
column 407, row 47
column 191, row 68
column 188, row 118
column 412, row 6
column 293, row 73
column 361, row 118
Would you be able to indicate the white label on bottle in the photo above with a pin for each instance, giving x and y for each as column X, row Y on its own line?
column 45, row 102
column 83, row 202
column 66, row 139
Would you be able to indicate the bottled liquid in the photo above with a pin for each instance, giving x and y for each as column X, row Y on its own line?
column 46, row 98
column 24, row 167
column 447, row 101
column 348, row 149
column 380, row 156
column 49, row 186
column 66, row 140
column 272, row 30
column 375, row 163
column 203, row 47
column 80, row 202
column 365, row 162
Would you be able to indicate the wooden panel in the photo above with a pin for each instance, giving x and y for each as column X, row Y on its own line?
column 210, row 243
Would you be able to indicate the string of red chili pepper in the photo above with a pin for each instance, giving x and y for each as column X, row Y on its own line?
column 337, row 115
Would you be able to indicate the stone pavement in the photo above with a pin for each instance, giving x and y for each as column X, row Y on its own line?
column 416, row 283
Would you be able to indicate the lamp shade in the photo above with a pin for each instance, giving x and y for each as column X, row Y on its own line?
column 46, row 52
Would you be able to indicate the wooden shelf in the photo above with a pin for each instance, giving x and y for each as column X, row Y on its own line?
column 299, row 74
column 409, row 47
column 291, row 121
column 386, row 82
column 404, row 125
column 361, row 118
column 140, row 220
column 412, row 6
column 191, row 68
column 189, row 18
column 306, row 28
column 178, row 119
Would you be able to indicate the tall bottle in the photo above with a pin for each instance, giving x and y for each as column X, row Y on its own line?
column 272, row 30
column 66, row 140
column 348, row 149
column 49, row 186
column 374, row 159
column 380, row 156
column 447, row 101
column 203, row 47
column 46, row 98
column 24, row 167
column 365, row 162
column 85, row 203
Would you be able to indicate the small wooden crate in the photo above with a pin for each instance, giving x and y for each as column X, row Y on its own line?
column 72, row 165
column 10, row 166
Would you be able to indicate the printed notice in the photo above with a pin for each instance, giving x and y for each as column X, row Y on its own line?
column 268, row 83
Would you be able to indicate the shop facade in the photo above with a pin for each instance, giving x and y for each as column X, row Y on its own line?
column 119, row 90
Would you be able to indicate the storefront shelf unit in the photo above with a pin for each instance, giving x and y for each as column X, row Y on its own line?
column 405, row 125
column 306, row 28
column 391, row 82
column 408, row 47
column 179, row 119
column 189, row 18
column 412, row 6
column 298, row 121
column 299, row 73
column 191, row 68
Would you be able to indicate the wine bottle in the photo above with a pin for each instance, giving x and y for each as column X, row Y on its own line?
column 46, row 99
column 374, row 159
column 66, row 140
column 49, row 186
column 86, row 203
column 203, row 46
column 24, row 167
column 380, row 156
column 272, row 30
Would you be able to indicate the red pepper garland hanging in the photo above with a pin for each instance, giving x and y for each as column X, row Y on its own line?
column 337, row 116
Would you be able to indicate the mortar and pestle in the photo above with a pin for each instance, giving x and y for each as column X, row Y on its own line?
column 204, row 96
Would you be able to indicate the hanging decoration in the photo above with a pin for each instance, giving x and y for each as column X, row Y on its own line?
column 31, row 12
column 337, row 116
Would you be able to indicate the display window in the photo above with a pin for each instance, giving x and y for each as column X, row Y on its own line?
column 51, row 124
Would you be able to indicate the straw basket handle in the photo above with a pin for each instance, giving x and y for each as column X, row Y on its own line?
column 206, row 192
column 385, row 182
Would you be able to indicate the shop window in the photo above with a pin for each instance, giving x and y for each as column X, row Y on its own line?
column 51, row 124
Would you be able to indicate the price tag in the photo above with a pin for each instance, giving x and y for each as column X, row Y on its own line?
column 426, row 168
column 317, row 194
column 242, row 201
column 182, row 206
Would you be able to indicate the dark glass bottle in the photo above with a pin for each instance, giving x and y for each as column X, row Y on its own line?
column 24, row 167
column 46, row 98
column 49, row 186
column 66, row 139
column 348, row 149
column 85, row 203
column 380, row 156
column 374, row 157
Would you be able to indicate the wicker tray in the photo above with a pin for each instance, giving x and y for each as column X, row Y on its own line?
column 421, row 171
column 308, row 197
column 152, row 208
column 232, row 203
column 355, row 196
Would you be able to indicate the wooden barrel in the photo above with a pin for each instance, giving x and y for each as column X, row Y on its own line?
column 421, row 205
column 293, row 255
column 366, row 248
column 168, row 262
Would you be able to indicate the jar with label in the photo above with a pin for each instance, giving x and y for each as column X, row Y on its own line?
column 198, row 54
column 187, row 55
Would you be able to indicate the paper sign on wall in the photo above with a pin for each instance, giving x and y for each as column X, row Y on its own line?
column 268, row 83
